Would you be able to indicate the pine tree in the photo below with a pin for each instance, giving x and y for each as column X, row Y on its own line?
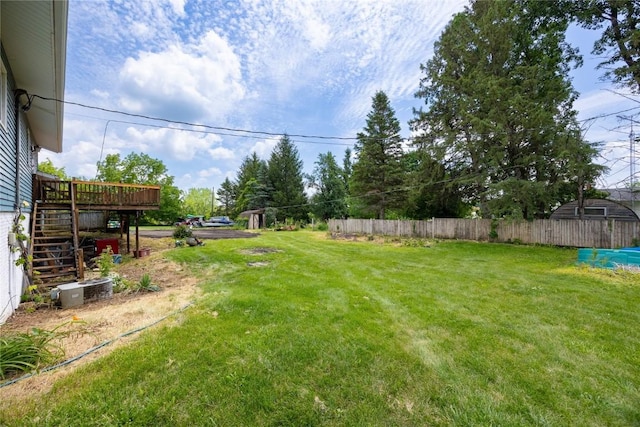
column 330, row 199
column 377, row 179
column 228, row 195
column 285, row 176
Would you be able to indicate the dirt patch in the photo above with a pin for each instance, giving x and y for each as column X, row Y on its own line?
column 258, row 264
column 94, row 323
column 259, row 251
column 202, row 233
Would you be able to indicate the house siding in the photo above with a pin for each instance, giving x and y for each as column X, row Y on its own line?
column 11, row 276
column 8, row 152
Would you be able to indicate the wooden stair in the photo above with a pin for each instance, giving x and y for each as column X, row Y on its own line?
column 53, row 244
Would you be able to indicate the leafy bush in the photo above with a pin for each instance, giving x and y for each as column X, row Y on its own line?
column 120, row 284
column 27, row 351
column 105, row 262
column 322, row 226
column 182, row 232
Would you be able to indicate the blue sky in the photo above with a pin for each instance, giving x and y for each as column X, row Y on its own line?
column 300, row 67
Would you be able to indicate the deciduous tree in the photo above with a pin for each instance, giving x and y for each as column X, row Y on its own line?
column 48, row 167
column 142, row 169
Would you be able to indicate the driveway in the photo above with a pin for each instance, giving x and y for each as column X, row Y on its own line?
column 208, row 233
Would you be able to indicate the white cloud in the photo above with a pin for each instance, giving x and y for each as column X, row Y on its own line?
column 179, row 144
column 184, row 81
column 264, row 148
column 207, row 173
column 221, row 153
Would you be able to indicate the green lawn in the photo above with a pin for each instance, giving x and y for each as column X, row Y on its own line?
column 364, row 334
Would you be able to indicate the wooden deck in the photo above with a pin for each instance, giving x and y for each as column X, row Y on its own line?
column 55, row 244
column 93, row 195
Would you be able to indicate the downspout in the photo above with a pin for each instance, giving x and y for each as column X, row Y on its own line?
column 26, row 281
column 17, row 94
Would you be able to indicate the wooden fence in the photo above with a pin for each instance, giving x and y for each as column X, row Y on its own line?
column 574, row 233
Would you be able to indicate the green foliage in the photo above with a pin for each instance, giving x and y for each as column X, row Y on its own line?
column 105, row 262
column 330, row 199
column 143, row 169
column 182, row 232
column 146, row 284
column 28, row 351
column 500, row 117
column 198, row 201
column 228, row 194
column 119, row 283
column 377, row 178
column 48, row 167
column 284, row 172
column 493, row 233
column 322, row 226
column 618, row 44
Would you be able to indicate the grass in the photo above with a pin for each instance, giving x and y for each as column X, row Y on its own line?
column 295, row 329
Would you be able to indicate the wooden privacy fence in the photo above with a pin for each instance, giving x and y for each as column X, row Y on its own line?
column 574, row 233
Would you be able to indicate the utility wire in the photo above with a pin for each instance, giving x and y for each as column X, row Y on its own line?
column 142, row 116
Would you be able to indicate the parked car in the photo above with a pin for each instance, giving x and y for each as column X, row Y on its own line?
column 190, row 221
column 217, row 221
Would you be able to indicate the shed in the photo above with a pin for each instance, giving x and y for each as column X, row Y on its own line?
column 595, row 209
column 257, row 218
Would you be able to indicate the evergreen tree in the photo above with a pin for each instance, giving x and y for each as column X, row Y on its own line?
column 347, row 168
column 286, row 179
column 500, row 107
column 228, row 194
column 249, row 170
column 256, row 193
column 329, row 201
column 377, row 178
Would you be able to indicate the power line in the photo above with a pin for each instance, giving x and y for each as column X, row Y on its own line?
column 228, row 129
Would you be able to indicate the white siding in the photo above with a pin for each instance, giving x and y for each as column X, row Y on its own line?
column 10, row 276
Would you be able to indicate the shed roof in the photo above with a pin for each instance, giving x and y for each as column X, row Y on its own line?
column 596, row 209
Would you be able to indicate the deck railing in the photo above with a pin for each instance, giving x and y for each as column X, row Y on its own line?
column 97, row 194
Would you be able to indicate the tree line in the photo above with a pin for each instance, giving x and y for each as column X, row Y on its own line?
column 496, row 136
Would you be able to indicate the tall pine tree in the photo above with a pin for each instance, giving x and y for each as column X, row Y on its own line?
column 285, row 176
column 377, row 177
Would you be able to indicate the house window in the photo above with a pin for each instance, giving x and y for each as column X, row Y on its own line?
column 593, row 211
column 4, row 97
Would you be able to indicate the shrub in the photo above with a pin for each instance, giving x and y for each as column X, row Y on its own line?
column 26, row 351
column 322, row 226
column 105, row 262
column 182, row 232
column 146, row 284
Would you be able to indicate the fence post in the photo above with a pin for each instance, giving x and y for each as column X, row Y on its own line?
column 433, row 228
column 612, row 231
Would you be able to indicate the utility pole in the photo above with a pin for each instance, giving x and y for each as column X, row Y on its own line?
column 213, row 198
column 632, row 140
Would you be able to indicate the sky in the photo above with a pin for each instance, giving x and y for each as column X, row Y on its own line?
column 307, row 68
